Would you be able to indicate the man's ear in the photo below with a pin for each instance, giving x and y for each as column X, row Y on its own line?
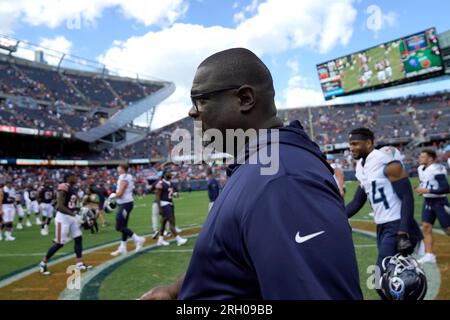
column 247, row 97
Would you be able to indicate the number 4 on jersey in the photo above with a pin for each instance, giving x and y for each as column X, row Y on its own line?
column 381, row 198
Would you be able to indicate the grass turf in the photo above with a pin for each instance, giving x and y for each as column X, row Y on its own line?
column 155, row 267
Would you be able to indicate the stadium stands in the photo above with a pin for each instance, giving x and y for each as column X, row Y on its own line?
column 395, row 121
column 40, row 96
column 20, row 77
column 60, row 100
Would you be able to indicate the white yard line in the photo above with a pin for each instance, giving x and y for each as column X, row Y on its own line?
column 64, row 257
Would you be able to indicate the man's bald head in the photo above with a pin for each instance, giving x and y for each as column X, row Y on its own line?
column 233, row 89
column 239, row 66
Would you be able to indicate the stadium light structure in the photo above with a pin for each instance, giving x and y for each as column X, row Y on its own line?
column 6, row 44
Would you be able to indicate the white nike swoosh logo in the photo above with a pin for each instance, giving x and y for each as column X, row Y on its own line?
column 300, row 239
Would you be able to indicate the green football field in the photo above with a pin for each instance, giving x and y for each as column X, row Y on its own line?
column 377, row 54
column 155, row 266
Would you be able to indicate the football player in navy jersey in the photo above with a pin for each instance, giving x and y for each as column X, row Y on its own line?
column 67, row 225
column 164, row 191
column 47, row 199
column 31, row 194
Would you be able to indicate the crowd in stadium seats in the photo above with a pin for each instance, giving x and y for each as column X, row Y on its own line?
column 144, row 175
column 45, row 118
column 391, row 119
column 76, row 88
column 47, row 92
column 48, row 88
column 396, row 121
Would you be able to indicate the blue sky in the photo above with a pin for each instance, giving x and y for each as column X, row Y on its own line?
column 167, row 39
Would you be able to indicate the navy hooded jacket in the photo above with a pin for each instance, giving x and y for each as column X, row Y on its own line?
column 281, row 236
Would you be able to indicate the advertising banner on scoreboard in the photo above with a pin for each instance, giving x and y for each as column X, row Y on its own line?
column 403, row 60
column 34, row 132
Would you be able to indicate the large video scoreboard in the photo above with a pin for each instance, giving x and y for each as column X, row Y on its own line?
column 403, row 60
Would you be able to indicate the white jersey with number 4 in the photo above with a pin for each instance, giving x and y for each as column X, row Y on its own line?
column 427, row 177
column 385, row 203
column 127, row 196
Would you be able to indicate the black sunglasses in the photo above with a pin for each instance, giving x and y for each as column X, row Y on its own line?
column 204, row 95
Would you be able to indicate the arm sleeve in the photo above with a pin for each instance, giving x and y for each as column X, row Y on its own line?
column 287, row 209
column 443, row 186
column 357, row 203
column 404, row 191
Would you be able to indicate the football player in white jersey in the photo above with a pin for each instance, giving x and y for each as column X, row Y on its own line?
column 124, row 198
column 12, row 192
column 338, row 174
column 20, row 211
column 383, row 180
column 434, row 187
column 447, row 155
column 8, row 209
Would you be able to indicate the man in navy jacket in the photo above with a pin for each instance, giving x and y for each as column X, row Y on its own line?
column 279, row 236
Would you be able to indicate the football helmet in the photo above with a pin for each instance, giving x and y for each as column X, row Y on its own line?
column 110, row 204
column 86, row 217
column 403, row 278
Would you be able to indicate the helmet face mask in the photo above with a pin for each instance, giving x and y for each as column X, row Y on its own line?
column 110, row 205
column 87, row 217
column 403, row 278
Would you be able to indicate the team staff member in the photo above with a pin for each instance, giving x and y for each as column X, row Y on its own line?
column 278, row 236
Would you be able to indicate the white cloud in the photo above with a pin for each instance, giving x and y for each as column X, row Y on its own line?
column 9, row 15
column 79, row 13
column 59, row 44
column 53, row 49
column 300, row 91
column 338, row 26
column 301, row 97
column 274, row 27
column 173, row 108
column 239, row 17
column 150, row 12
column 293, row 65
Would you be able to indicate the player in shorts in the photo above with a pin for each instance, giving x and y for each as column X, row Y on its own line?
column 67, row 224
column 31, row 202
column 46, row 200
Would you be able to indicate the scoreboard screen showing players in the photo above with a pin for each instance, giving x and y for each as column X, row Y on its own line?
column 403, row 60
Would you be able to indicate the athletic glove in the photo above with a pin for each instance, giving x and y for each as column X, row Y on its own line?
column 404, row 245
column 112, row 196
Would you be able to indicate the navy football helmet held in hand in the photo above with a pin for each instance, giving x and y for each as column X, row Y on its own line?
column 403, row 278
